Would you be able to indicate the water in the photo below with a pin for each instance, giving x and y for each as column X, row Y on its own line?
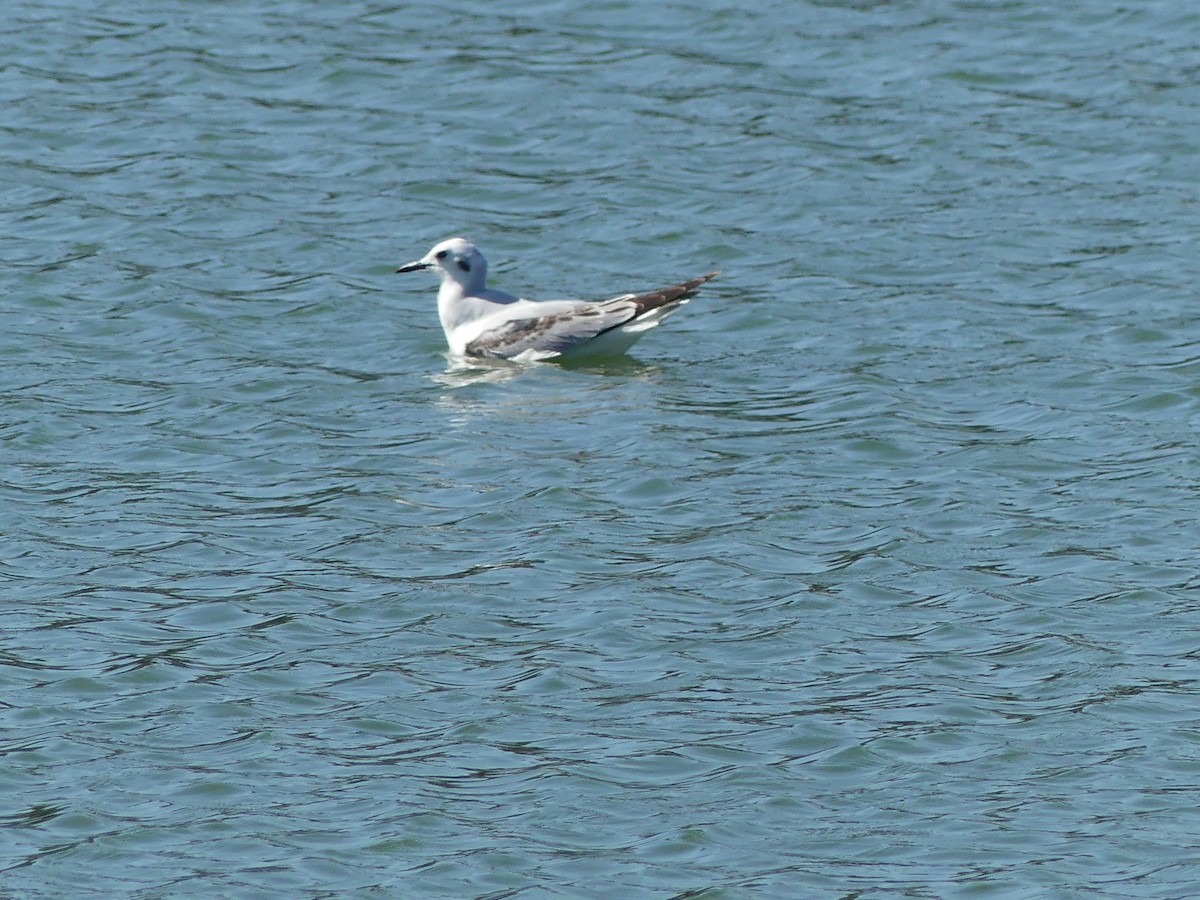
column 873, row 573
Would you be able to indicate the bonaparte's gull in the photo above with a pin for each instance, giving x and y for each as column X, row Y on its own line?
column 479, row 321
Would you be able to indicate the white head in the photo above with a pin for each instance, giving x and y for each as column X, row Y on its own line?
column 454, row 260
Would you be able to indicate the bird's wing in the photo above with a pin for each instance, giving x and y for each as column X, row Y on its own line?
column 574, row 322
column 550, row 334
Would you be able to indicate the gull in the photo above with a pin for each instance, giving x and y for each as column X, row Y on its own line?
column 482, row 322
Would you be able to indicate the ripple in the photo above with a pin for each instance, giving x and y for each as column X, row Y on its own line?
column 870, row 573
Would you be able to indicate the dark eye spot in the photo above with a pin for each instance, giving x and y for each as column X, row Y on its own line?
column 441, row 254
column 464, row 265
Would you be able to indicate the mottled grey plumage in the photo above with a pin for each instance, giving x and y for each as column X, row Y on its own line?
column 585, row 322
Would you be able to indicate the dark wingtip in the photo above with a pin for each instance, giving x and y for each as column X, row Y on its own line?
column 676, row 293
column 691, row 284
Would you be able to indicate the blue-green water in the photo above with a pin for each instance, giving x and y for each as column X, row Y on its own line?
column 873, row 574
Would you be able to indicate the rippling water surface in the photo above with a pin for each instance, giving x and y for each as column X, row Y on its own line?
column 873, row 573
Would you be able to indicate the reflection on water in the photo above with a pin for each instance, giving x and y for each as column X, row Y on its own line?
column 466, row 372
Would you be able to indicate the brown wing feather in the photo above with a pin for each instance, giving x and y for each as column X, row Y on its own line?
column 668, row 295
